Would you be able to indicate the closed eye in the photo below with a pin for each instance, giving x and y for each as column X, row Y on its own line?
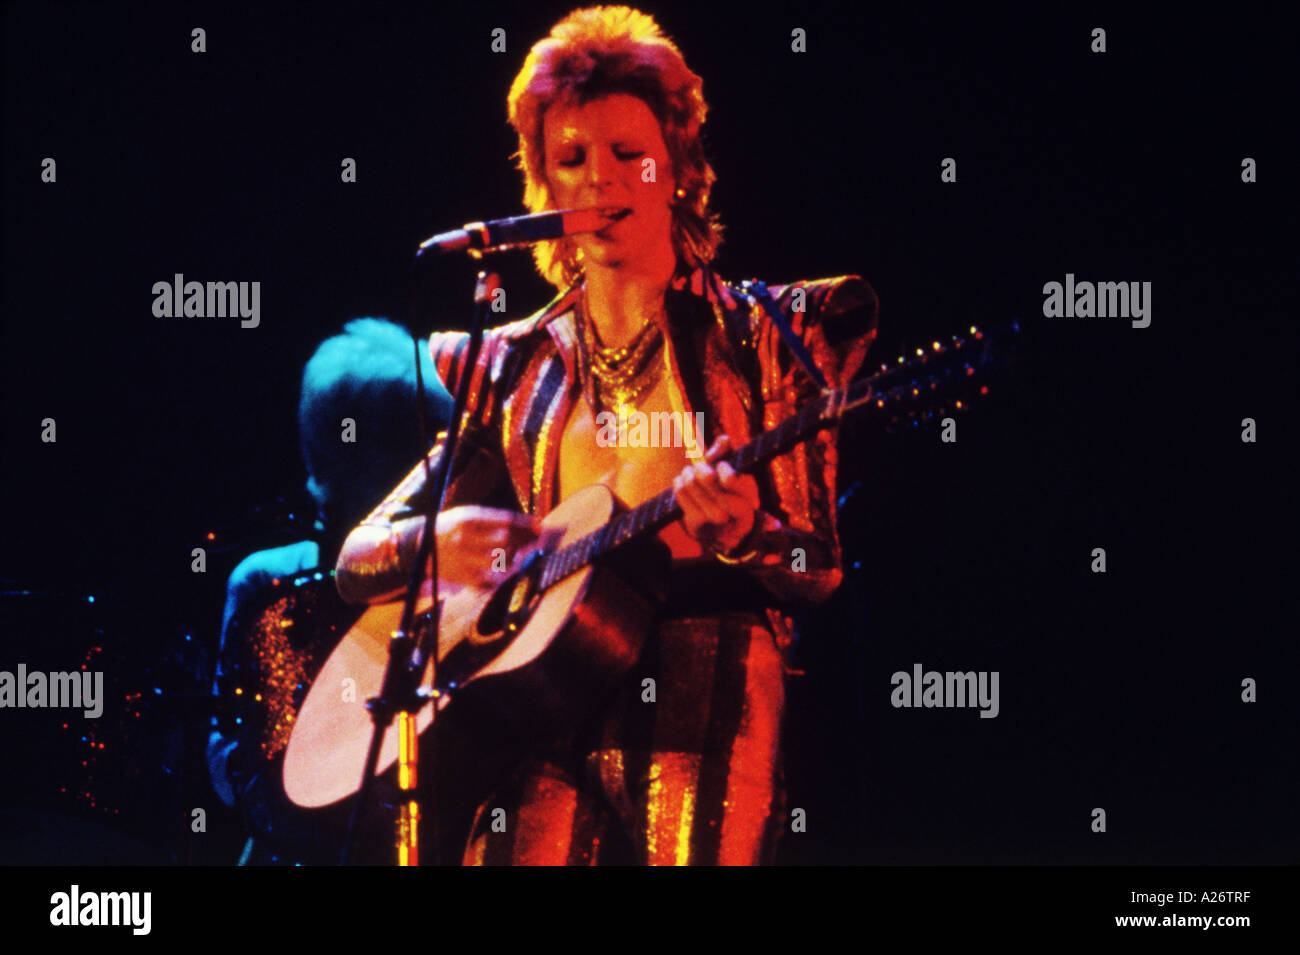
column 577, row 159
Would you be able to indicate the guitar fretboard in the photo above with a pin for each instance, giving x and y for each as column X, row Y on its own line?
column 924, row 378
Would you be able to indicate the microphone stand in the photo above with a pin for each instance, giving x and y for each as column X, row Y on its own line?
column 400, row 695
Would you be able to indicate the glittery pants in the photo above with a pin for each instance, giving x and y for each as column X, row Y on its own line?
column 690, row 778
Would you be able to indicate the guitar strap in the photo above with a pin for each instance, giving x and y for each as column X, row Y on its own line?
column 753, row 289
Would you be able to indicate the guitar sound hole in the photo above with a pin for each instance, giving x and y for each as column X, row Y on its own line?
column 507, row 610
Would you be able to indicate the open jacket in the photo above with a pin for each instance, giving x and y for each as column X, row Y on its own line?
column 730, row 363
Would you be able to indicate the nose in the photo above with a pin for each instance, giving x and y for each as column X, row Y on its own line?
column 600, row 167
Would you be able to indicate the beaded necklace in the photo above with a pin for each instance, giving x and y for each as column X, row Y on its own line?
column 618, row 376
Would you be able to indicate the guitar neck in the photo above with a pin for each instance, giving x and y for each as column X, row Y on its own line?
column 921, row 382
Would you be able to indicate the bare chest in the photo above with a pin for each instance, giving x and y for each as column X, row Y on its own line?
column 635, row 462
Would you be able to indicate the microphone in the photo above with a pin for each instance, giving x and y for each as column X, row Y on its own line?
column 522, row 230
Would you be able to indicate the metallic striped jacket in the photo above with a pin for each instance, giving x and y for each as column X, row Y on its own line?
column 731, row 364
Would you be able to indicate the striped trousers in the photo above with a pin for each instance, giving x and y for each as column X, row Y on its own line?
column 681, row 771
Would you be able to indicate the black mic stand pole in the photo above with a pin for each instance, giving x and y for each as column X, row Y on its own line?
column 399, row 694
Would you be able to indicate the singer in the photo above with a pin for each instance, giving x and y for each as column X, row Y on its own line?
column 686, row 768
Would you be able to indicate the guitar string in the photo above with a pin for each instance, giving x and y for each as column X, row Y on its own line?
column 579, row 553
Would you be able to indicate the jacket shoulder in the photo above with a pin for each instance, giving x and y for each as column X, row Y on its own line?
column 827, row 297
column 450, row 349
column 522, row 328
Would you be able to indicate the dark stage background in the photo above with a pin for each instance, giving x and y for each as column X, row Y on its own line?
column 1119, row 690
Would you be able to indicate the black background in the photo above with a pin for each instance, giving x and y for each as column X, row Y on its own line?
column 1119, row 691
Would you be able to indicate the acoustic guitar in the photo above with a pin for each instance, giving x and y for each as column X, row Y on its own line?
column 553, row 638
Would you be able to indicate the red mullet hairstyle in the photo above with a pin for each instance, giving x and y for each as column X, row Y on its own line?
column 600, row 51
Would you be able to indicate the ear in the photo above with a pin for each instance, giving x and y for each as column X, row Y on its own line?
column 674, row 187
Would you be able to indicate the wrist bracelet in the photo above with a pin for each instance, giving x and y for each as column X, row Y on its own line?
column 748, row 545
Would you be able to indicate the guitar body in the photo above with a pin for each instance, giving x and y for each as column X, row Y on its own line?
column 546, row 646
column 545, row 660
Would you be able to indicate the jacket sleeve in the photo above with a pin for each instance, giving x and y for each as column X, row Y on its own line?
column 795, row 544
column 376, row 560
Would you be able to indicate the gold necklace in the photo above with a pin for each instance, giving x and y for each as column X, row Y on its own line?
column 619, row 375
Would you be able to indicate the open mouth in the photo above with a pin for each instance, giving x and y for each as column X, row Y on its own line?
column 615, row 215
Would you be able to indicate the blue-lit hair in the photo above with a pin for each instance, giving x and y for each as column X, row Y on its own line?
column 366, row 374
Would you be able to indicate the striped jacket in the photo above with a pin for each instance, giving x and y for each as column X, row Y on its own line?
column 731, row 364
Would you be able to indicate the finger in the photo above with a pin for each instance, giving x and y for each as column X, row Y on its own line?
column 693, row 514
column 709, row 482
column 700, row 489
column 700, row 500
column 739, row 500
column 712, row 479
column 684, row 493
column 525, row 523
column 727, row 497
column 704, row 508
column 705, row 476
column 720, row 446
column 483, row 526
column 510, row 524
column 734, row 505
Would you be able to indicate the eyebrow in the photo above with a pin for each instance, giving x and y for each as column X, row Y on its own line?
column 627, row 141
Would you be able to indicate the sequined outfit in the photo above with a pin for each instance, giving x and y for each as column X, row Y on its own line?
column 694, row 777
